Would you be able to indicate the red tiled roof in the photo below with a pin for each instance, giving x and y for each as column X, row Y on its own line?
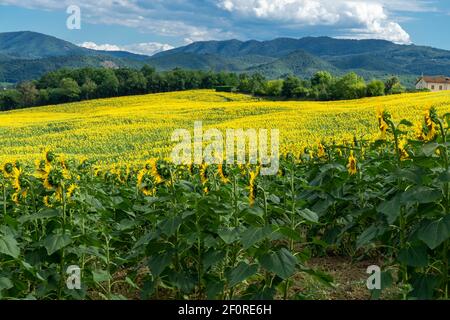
column 438, row 79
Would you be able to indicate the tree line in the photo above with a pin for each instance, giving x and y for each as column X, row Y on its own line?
column 70, row 85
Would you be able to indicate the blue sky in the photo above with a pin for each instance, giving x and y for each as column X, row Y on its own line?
column 154, row 25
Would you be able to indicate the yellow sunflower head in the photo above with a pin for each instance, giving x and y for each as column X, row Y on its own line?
column 352, row 164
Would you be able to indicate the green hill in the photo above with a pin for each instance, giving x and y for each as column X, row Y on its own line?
column 28, row 55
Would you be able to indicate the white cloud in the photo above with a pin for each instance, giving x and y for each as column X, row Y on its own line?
column 94, row 46
column 156, row 17
column 146, row 48
column 197, row 20
column 363, row 19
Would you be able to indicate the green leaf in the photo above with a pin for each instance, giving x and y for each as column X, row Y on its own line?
column 309, row 215
column 281, row 262
column 290, row 233
column 56, row 242
column 229, row 235
column 424, row 287
column 43, row 214
column 5, row 283
column 406, row 123
column 241, row 273
column 131, row 283
column 158, row 263
column 170, row 226
column 414, row 256
column 391, row 209
column 212, row 257
column 421, row 195
column 433, row 233
column 8, row 246
column 183, row 281
column 100, row 275
column 253, row 235
column 430, row 148
column 367, row 236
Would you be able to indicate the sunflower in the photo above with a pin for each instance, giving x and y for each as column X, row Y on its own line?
column 430, row 127
column 204, row 177
column 53, row 178
column 222, row 174
column 17, row 179
column 70, row 190
column 418, row 131
column 382, row 125
column 46, row 201
column 49, row 156
column 152, row 167
column 352, row 164
column 42, row 168
column 401, row 149
column 321, row 151
column 252, row 187
column 7, row 168
column 145, row 183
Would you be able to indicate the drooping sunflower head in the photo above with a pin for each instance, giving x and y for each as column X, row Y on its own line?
column 71, row 190
column 63, row 162
column 252, row 187
column 204, row 173
column 49, row 156
column 429, row 129
column 46, row 202
column 7, row 168
column 53, row 179
column 352, row 164
column 152, row 167
column 42, row 168
column 402, row 149
column 223, row 173
column 382, row 116
column 17, row 179
column 321, row 151
column 145, row 183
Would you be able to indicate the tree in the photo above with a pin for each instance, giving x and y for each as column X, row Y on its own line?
column 131, row 81
column 274, row 88
column 321, row 83
column 29, row 93
column 70, row 89
column 245, row 85
column 302, row 92
column 289, row 85
column 322, row 79
column 258, row 84
column 397, row 89
column 44, row 97
column 375, row 88
column 88, row 89
column 9, row 100
column 350, row 86
column 391, row 83
column 108, row 85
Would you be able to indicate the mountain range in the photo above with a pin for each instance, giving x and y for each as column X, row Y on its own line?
column 28, row 55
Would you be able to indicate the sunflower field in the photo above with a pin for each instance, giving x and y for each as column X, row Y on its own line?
column 88, row 185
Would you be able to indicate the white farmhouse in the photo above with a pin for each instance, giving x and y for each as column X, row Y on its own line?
column 438, row 83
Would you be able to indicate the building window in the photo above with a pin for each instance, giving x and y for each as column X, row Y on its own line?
column 440, row 87
column 432, row 87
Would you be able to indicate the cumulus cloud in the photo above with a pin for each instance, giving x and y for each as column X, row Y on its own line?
column 196, row 20
column 146, row 48
column 105, row 47
column 364, row 19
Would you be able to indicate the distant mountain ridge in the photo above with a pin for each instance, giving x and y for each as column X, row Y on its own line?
column 27, row 55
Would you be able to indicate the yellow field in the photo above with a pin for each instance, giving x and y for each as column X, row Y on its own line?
column 132, row 129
